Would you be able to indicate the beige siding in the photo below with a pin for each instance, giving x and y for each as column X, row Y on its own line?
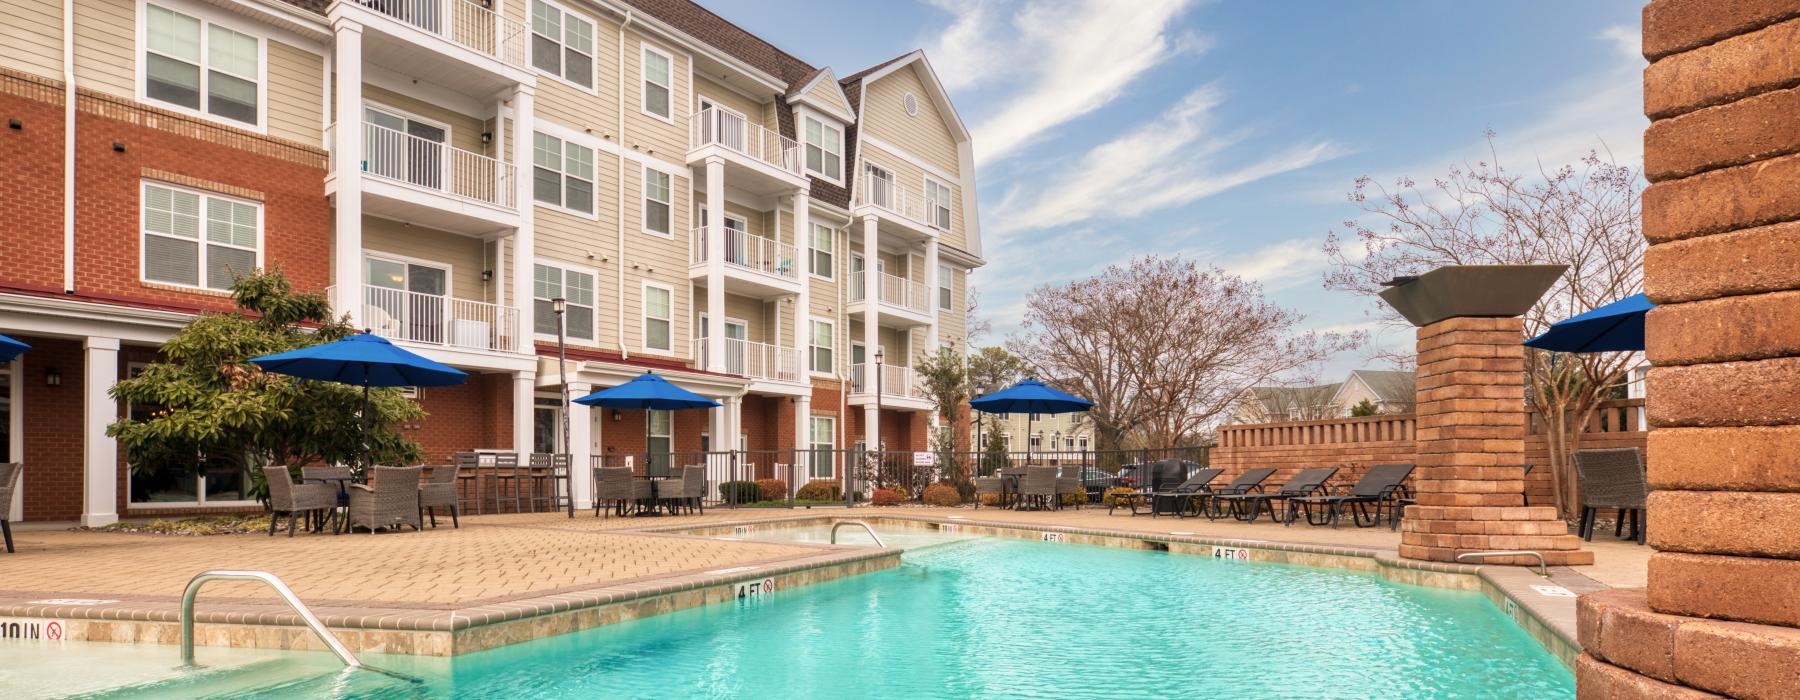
column 658, row 259
column 643, row 131
column 105, row 39
column 465, row 129
column 733, row 100
column 465, row 256
column 926, row 135
column 571, row 104
column 296, row 94
column 911, row 178
column 32, row 35
column 570, row 239
column 827, row 92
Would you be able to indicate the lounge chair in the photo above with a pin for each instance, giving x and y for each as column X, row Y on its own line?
column 1247, row 507
column 393, row 500
column 1612, row 478
column 1246, row 483
column 1383, row 485
column 10, row 474
column 294, row 500
column 1184, row 494
column 616, row 487
column 439, row 491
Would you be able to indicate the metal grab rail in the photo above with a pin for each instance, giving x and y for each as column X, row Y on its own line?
column 287, row 594
column 1543, row 569
column 865, row 527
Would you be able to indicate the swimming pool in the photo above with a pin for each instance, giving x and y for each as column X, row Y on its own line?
column 986, row 617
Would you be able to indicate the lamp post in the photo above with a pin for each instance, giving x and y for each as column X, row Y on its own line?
column 561, row 307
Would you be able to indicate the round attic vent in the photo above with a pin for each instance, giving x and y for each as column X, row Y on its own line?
column 912, row 104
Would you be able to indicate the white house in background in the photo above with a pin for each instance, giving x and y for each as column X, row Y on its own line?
column 1387, row 391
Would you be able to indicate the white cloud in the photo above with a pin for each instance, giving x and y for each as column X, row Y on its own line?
column 1283, row 265
column 1069, row 57
column 1167, row 162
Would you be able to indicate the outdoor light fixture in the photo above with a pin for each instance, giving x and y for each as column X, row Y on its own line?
column 487, row 275
column 487, row 137
column 560, row 305
column 52, row 377
column 878, row 355
column 618, row 415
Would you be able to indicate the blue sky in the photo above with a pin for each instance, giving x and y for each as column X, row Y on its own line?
column 1229, row 131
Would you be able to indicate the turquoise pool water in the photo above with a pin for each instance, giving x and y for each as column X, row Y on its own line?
column 987, row 617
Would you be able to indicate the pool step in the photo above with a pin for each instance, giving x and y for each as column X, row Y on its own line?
column 273, row 678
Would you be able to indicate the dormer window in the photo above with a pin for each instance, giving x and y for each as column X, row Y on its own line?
column 824, row 149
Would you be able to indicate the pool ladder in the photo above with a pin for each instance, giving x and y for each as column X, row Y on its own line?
column 863, row 525
column 1543, row 570
column 287, row 594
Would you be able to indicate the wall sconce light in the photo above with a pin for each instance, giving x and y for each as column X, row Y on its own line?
column 15, row 124
column 52, row 377
column 618, row 415
column 118, row 147
column 487, row 275
column 487, row 137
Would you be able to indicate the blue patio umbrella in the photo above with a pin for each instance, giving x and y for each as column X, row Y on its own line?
column 647, row 392
column 10, row 348
column 1614, row 327
column 365, row 360
column 1030, row 397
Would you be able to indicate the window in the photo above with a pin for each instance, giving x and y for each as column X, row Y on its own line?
column 946, row 283
column 1084, row 443
column 823, row 335
column 562, row 173
column 657, row 88
column 823, row 441
column 1036, row 442
column 562, row 44
column 937, row 204
column 177, row 251
column 824, row 149
column 659, row 318
column 657, row 202
column 822, row 250
column 171, row 480
column 576, row 287
column 546, row 424
column 201, row 66
column 662, row 442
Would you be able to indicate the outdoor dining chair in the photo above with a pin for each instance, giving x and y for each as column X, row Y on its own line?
column 1612, row 478
column 689, row 491
column 1070, row 485
column 296, row 500
column 1038, row 487
column 616, row 487
column 990, row 484
column 439, row 491
column 10, row 474
column 393, row 500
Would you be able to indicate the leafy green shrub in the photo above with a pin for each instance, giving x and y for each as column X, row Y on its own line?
column 888, row 497
column 819, row 490
column 739, row 491
column 771, row 489
column 1111, row 497
column 942, row 495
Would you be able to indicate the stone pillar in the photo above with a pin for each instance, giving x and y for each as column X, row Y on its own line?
column 1470, row 477
column 1723, row 395
column 581, row 446
column 99, row 453
column 346, row 173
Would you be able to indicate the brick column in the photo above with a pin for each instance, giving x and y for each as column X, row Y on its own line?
column 1470, row 477
column 1723, row 605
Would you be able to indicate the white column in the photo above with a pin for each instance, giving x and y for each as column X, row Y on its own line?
column 931, row 290
column 346, row 162
column 99, row 453
column 524, row 398
column 580, row 446
column 715, row 271
column 802, row 422
column 524, row 247
column 803, row 303
column 871, row 328
column 734, row 420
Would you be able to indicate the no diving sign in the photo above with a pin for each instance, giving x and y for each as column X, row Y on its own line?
column 754, row 589
column 1232, row 553
column 31, row 629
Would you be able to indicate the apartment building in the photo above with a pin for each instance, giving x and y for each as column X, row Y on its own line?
column 755, row 228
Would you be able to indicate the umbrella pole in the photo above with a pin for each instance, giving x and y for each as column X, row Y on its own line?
column 368, row 450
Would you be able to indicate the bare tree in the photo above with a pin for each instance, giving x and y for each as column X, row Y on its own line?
column 1163, row 347
column 1582, row 215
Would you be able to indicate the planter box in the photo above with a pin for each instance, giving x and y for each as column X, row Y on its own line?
column 1471, row 290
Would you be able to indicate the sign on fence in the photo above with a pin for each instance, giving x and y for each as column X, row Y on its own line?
column 924, row 459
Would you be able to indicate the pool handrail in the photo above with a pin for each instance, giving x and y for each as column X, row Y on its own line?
column 287, row 594
column 1543, row 570
column 865, row 527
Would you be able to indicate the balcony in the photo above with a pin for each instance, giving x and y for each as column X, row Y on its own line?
column 902, row 212
column 462, row 45
column 754, row 266
column 900, row 388
column 760, row 361
column 757, row 160
column 430, row 183
column 435, row 320
column 904, row 303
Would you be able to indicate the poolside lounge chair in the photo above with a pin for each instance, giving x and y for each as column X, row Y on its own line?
column 1038, row 486
column 393, row 500
column 1383, row 485
column 1248, row 482
column 294, row 500
column 1612, row 478
column 439, row 491
column 10, row 474
column 1247, row 507
column 1186, row 496
column 616, row 487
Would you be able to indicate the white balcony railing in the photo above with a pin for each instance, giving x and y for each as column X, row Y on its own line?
column 757, row 253
column 907, row 204
column 433, row 165
column 721, row 128
column 898, row 292
column 397, row 314
column 753, row 360
column 896, row 380
column 467, row 24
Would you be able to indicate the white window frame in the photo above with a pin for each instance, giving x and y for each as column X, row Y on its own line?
column 644, row 202
column 593, row 86
column 206, row 16
column 811, row 368
column 814, row 444
column 530, row 308
column 931, row 203
column 824, row 123
column 562, row 174
column 644, row 318
column 645, row 49
column 262, row 225
column 830, row 272
column 946, row 288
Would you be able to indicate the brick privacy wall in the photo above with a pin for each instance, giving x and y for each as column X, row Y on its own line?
column 466, row 417
column 53, row 451
column 1723, row 156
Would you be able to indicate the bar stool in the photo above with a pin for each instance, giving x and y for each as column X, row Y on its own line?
column 549, row 477
column 468, row 487
column 505, row 480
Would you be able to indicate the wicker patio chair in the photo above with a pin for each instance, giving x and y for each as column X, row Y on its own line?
column 393, row 500
column 1038, row 486
column 689, row 491
column 616, row 486
column 1067, row 485
column 990, row 484
column 294, row 500
column 1612, row 478
column 10, row 474
column 439, row 491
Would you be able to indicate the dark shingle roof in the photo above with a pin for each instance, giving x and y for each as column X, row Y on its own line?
column 1395, row 388
column 717, row 31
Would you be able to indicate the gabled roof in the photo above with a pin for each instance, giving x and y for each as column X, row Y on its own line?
column 934, row 88
column 822, row 92
column 1278, row 400
column 1391, row 387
